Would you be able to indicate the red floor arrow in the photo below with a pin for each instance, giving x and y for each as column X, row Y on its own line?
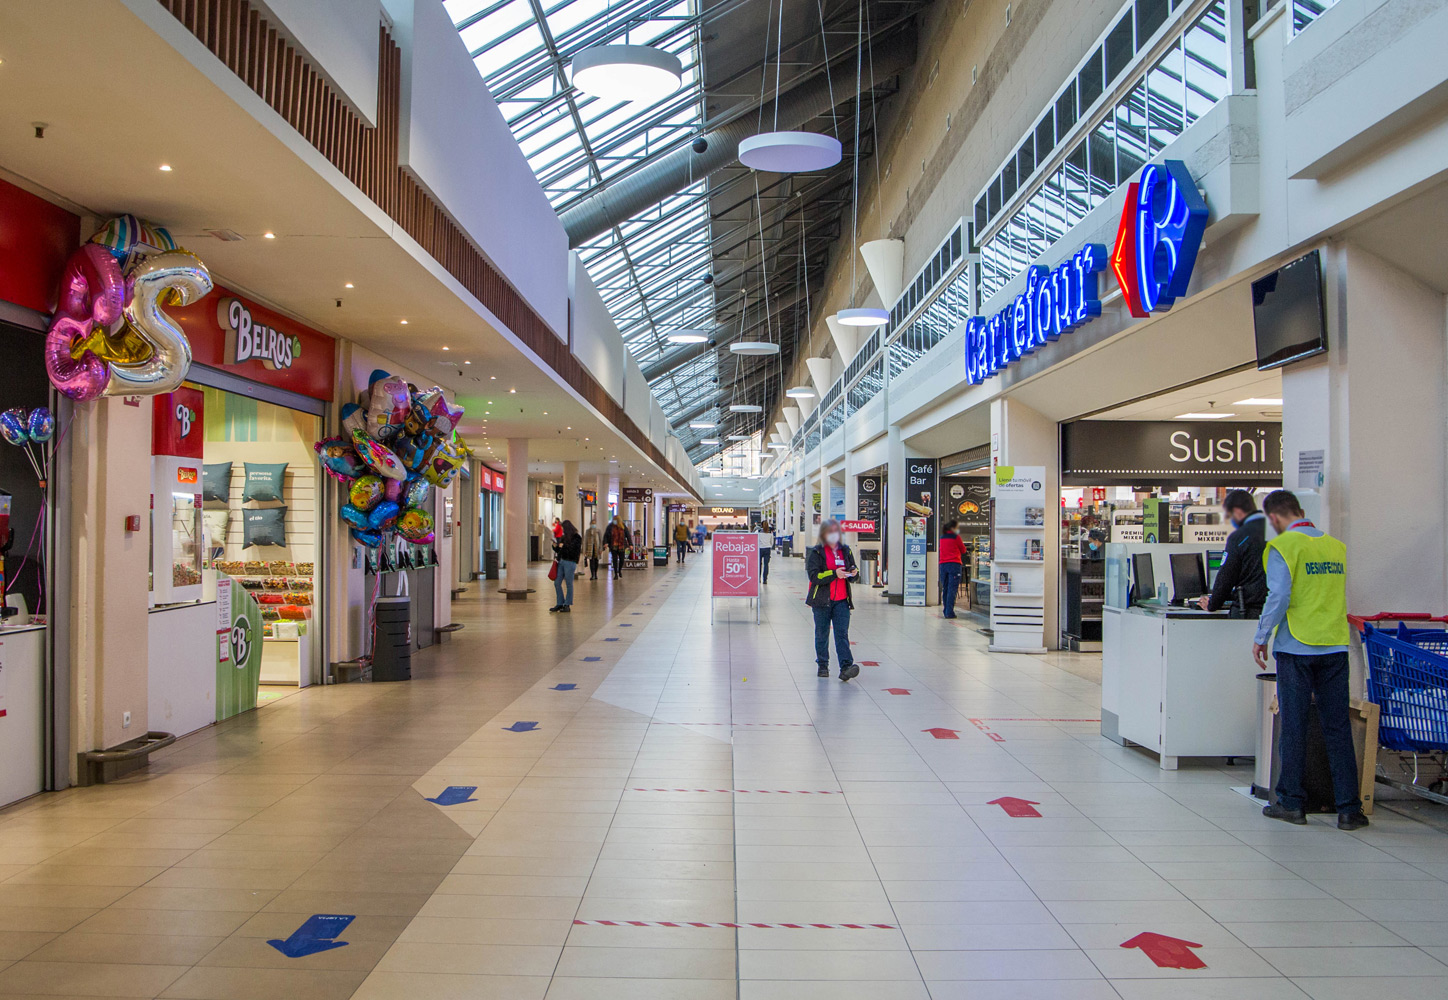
column 942, row 734
column 1016, row 808
column 1167, row 952
column 897, row 690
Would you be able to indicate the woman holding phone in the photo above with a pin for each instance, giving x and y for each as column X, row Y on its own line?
column 831, row 566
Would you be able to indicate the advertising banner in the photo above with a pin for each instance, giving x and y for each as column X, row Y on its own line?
column 969, row 503
column 1156, row 520
column 921, row 495
column 915, row 561
column 871, row 494
column 736, row 564
column 238, row 648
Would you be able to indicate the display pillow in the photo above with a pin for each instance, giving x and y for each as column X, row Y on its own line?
column 264, row 481
column 264, row 526
column 216, row 522
column 216, row 482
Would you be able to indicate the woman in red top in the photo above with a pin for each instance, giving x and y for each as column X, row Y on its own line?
column 830, row 566
column 952, row 565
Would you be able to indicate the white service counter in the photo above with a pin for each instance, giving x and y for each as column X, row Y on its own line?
column 22, row 712
column 1180, row 683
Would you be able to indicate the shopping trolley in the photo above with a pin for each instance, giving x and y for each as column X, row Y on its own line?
column 1407, row 679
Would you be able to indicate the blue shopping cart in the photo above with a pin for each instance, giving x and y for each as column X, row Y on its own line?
column 1408, row 679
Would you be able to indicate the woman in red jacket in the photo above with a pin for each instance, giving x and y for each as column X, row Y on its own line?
column 952, row 565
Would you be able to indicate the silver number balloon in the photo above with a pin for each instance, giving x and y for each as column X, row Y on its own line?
column 172, row 270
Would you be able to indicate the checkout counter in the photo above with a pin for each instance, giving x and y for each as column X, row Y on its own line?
column 1175, row 680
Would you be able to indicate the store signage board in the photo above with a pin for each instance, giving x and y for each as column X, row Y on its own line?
column 237, row 335
column 860, row 528
column 1170, row 453
column 916, row 560
column 176, row 423
column 870, row 492
column 637, row 494
column 498, row 482
column 36, row 239
column 1155, row 251
column 920, row 495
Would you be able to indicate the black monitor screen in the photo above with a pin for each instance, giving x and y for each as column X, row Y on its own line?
column 1287, row 313
column 1145, row 577
column 1187, row 578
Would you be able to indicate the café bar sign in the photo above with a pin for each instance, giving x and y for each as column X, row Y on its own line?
column 1153, row 257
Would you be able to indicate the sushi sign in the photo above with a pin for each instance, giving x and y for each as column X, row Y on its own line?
column 1155, row 251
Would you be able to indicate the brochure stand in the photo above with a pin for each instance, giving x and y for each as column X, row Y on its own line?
column 1018, row 569
column 736, row 569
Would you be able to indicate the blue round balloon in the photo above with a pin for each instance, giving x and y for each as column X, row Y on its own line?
column 384, row 515
column 13, row 426
column 355, row 516
column 414, row 494
column 371, row 539
column 40, row 425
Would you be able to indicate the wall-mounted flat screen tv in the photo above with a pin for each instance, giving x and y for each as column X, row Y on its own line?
column 1288, row 314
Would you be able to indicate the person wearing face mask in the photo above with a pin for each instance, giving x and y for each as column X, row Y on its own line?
column 1242, row 578
column 830, row 565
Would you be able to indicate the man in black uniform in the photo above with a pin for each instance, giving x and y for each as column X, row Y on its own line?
column 1242, row 578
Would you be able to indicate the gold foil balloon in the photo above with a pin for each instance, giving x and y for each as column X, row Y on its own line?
column 171, row 277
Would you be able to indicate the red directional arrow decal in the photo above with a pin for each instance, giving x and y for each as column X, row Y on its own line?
column 1017, row 808
column 1167, row 952
column 943, row 734
column 897, row 690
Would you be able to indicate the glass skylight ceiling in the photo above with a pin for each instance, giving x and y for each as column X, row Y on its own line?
column 575, row 143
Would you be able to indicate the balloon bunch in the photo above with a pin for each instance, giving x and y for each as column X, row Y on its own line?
column 25, row 431
column 110, row 335
column 390, row 455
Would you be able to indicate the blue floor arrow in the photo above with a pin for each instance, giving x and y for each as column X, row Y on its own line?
column 592, row 659
column 564, row 687
column 316, row 934
column 521, row 727
column 454, row 794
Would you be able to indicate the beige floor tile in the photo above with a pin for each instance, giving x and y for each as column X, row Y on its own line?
column 646, row 963
column 216, row 923
column 412, row 986
column 471, row 959
column 52, row 874
column 126, row 949
column 482, row 930
column 88, row 979
column 642, row 989
column 263, row 984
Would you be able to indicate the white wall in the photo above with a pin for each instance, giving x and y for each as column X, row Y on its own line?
column 597, row 344
column 456, row 143
column 341, row 39
column 636, row 395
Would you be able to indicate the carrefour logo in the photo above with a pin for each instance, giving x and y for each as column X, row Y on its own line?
column 1155, row 251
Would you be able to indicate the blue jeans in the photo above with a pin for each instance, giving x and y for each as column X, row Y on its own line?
column 764, row 565
column 682, row 547
column 565, row 574
column 949, row 586
column 1300, row 679
column 838, row 615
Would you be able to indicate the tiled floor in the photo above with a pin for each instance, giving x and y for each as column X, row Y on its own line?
column 699, row 816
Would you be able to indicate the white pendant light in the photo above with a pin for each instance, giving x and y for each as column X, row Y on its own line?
column 753, row 348
column 702, row 425
column 709, row 441
column 739, row 437
column 862, row 317
column 627, row 72
column 790, row 152
column 800, row 392
column 745, row 408
column 779, row 446
column 687, row 337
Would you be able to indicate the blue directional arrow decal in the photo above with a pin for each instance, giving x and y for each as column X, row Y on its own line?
column 316, row 934
column 564, row 687
column 592, row 659
column 521, row 727
column 454, row 794
column 613, row 638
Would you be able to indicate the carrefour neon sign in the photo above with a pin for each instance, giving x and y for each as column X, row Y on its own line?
column 1156, row 249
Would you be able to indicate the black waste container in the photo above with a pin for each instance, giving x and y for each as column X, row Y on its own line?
column 392, row 650
column 491, row 564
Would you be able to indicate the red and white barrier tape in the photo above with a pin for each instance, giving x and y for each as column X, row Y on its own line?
column 745, row 791
column 725, row 923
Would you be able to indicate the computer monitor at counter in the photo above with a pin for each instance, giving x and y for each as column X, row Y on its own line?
column 1187, row 578
column 1143, row 577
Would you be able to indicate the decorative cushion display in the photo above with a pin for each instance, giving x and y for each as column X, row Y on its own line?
column 264, row 526
column 215, row 522
column 264, row 481
column 216, row 482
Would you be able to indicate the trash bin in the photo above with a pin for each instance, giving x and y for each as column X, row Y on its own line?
column 1266, row 735
column 786, row 547
column 392, row 648
column 491, row 565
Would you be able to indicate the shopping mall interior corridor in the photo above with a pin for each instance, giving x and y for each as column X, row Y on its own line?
column 630, row 802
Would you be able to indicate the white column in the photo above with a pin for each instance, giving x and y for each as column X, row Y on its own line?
column 516, row 519
column 572, row 505
column 895, row 473
column 657, row 520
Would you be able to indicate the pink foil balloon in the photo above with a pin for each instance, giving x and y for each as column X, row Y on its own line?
column 92, row 293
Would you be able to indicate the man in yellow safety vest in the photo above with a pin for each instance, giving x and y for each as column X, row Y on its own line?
column 1307, row 606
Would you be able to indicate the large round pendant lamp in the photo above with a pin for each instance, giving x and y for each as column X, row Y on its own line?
column 745, row 408
column 790, row 152
column 627, row 72
column 687, row 337
column 800, row 392
column 753, row 348
column 862, row 317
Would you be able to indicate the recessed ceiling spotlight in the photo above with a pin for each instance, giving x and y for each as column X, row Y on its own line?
column 492, row 378
column 444, row 348
column 467, row 362
column 348, row 285
column 514, row 391
column 268, row 235
column 165, row 168
column 404, row 322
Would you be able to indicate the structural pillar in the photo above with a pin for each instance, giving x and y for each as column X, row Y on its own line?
column 515, row 520
column 572, row 505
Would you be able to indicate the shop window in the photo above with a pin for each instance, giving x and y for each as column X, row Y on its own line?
column 1150, row 15
column 1166, row 94
column 1131, row 151
column 1206, row 62
column 1088, row 82
column 1119, row 49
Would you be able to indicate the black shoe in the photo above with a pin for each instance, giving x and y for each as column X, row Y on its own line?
column 1294, row 816
column 1351, row 821
column 566, row 609
column 847, row 672
column 556, row 607
column 947, row 616
column 823, row 671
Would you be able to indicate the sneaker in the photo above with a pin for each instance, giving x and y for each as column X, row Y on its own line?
column 1294, row 816
column 847, row 672
column 823, row 671
column 1351, row 821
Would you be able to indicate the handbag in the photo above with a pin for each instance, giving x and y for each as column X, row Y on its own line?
column 553, row 570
